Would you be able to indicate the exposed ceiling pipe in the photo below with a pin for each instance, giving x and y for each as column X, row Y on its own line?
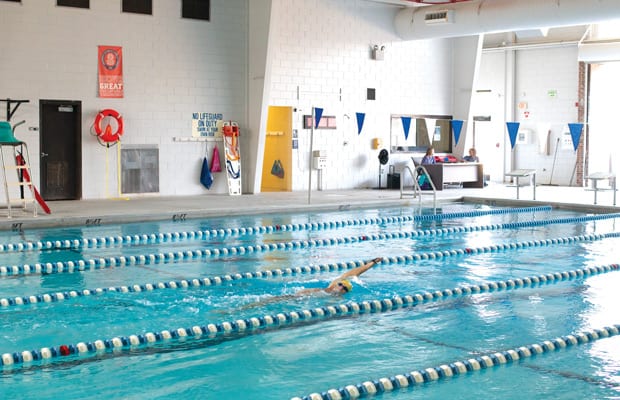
column 491, row 16
column 436, row 1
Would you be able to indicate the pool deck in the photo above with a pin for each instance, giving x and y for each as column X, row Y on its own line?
column 155, row 207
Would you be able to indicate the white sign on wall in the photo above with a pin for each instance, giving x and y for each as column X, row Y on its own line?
column 206, row 124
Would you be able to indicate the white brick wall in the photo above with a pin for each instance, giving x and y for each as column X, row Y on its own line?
column 537, row 72
column 172, row 67
column 322, row 47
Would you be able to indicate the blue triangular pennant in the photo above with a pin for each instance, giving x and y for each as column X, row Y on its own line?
column 406, row 125
column 575, row 132
column 360, row 121
column 457, row 125
column 513, row 129
column 318, row 112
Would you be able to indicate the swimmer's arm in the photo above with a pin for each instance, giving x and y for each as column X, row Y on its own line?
column 360, row 270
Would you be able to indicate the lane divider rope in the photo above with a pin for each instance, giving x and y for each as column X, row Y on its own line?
column 73, row 244
column 155, row 258
column 461, row 367
column 244, row 327
column 332, row 267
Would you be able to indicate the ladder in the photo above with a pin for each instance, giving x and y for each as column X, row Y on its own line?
column 417, row 191
column 18, row 161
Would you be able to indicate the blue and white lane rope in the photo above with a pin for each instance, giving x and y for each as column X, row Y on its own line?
column 461, row 367
column 155, row 258
column 243, row 327
column 333, row 267
column 108, row 241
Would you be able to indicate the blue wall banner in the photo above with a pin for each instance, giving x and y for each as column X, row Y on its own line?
column 318, row 113
column 513, row 129
column 457, row 125
column 575, row 132
column 360, row 121
column 406, row 125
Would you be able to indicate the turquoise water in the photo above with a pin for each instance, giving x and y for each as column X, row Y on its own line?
column 297, row 358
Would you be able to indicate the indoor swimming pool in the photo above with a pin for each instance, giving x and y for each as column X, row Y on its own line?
column 468, row 302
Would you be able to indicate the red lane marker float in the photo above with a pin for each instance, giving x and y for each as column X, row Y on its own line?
column 64, row 350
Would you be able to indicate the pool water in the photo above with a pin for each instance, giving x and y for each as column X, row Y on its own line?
column 167, row 308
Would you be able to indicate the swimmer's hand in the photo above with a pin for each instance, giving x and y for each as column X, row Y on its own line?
column 377, row 260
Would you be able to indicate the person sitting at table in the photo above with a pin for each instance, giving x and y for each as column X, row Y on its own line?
column 472, row 157
column 429, row 157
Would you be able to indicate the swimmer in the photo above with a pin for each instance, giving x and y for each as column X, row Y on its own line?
column 341, row 285
column 337, row 287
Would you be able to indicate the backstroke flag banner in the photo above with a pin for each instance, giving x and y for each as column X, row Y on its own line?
column 513, row 129
column 406, row 125
column 360, row 121
column 575, row 133
column 110, row 66
column 318, row 113
column 457, row 125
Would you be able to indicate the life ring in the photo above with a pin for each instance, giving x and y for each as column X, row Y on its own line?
column 105, row 134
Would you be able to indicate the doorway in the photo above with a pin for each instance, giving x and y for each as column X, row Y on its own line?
column 60, row 142
column 278, row 159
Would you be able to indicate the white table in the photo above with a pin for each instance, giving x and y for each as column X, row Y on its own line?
column 599, row 176
column 523, row 173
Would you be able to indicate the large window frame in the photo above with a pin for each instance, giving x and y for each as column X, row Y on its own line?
column 418, row 139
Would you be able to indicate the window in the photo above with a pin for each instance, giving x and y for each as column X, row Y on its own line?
column 74, row 3
column 424, row 131
column 196, row 9
column 138, row 6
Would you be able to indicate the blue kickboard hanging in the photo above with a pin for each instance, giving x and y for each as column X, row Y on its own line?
column 205, row 174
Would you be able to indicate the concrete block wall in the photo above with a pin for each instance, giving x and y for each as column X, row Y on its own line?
column 322, row 58
column 548, row 79
column 173, row 67
column 546, row 84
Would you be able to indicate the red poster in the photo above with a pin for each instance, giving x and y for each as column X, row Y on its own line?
column 110, row 71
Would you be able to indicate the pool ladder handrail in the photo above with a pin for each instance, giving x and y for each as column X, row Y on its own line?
column 417, row 191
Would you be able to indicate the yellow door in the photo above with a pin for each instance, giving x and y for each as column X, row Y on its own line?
column 278, row 150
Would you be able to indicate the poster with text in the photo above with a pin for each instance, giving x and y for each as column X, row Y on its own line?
column 110, row 71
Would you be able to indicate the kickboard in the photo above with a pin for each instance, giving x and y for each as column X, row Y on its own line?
column 20, row 161
column 232, row 155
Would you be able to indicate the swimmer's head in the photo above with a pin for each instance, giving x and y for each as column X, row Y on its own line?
column 345, row 286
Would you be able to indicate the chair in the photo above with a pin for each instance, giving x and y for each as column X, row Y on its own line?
column 19, row 149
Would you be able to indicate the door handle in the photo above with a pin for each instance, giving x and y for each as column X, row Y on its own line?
column 44, row 154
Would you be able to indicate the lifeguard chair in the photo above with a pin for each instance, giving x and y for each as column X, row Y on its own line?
column 20, row 163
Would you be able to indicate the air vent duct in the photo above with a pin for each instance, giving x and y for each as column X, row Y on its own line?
column 439, row 17
column 489, row 16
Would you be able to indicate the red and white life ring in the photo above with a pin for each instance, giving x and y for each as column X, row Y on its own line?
column 105, row 134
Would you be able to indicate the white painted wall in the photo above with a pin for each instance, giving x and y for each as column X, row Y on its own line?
column 546, row 83
column 321, row 57
column 172, row 67
column 302, row 53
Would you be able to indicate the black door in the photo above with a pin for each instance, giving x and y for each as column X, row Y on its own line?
column 60, row 143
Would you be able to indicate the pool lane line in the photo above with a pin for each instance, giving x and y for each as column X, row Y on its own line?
column 109, row 241
column 219, row 280
column 461, row 367
column 252, row 325
column 156, row 258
